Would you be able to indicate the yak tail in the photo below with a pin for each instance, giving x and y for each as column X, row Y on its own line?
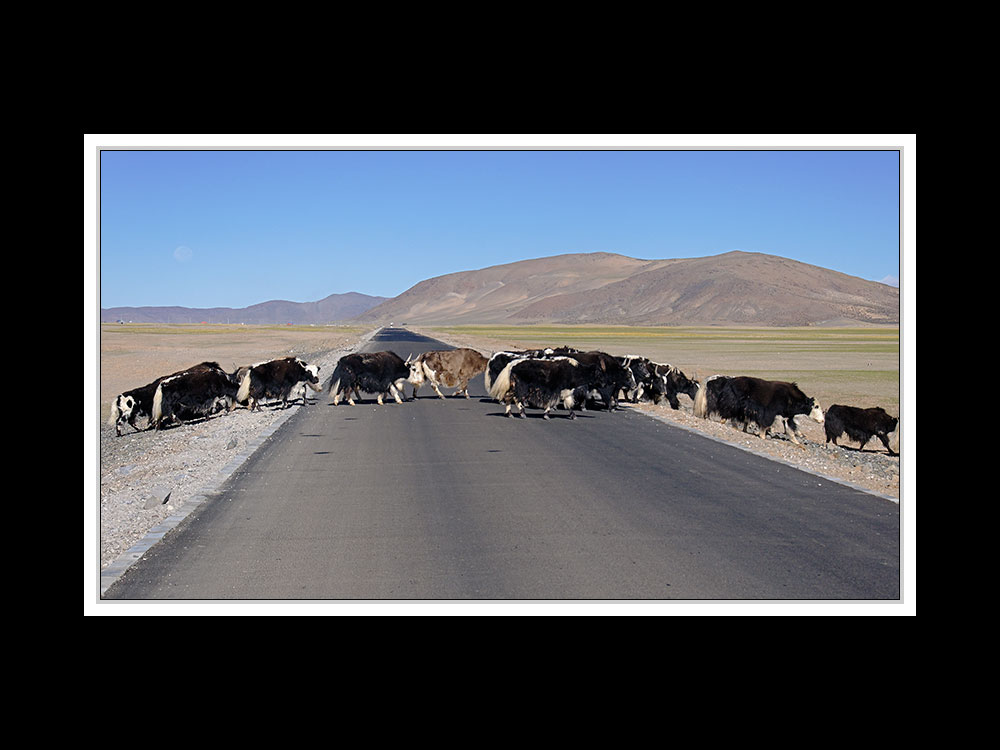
column 157, row 405
column 115, row 413
column 338, row 374
column 486, row 379
column 501, row 385
column 244, row 392
column 700, row 408
column 498, row 389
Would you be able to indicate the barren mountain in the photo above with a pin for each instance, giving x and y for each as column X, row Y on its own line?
column 735, row 288
column 335, row 308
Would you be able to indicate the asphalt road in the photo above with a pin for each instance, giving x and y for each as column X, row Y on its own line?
column 451, row 500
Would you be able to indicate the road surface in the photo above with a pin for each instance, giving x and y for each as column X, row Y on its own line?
column 448, row 499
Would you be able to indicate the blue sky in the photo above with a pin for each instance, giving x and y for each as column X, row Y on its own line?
column 233, row 228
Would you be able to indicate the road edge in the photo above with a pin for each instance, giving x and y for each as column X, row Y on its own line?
column 764, row 454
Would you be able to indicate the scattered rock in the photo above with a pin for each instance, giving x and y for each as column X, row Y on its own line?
column 158, row 496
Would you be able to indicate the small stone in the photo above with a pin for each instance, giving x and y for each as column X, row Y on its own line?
column 159, row 496
column 231, row 444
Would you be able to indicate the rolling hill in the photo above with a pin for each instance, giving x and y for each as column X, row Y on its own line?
column 735, row 288
column 335, row 308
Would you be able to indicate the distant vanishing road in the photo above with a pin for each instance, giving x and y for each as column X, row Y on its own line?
column 449, row 499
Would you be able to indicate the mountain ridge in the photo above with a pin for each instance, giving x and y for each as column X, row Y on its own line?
column 732, row 288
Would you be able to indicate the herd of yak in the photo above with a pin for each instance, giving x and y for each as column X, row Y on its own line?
column 545, row 379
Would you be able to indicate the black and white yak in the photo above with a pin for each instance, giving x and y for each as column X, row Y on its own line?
column 655, row 381
column 673, row 382
column 499, row 360
column 132, row 405
column 276, row 379
column 137, row 403
column 382, row 373
column 745, row 399
column 613, row 376
column 546, row 384
column 860, row 425
column 646, row 383
column 193, row 394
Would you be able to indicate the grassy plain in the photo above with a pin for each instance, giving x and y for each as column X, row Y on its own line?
column 132, row 355
column 856, row 366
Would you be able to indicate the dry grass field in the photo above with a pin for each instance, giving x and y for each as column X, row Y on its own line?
column 133, row 355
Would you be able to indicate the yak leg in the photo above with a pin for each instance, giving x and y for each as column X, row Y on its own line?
column 346, row 393
column 610, row 401
column 792, row 431
column 885, row 442
column 761, row 428
column 395, row 394
column 436, row 389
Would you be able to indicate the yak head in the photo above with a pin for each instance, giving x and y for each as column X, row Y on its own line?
column 815, row 412
column 682, row 383
column 312, row 378
column 121, row 411
column 416, row 376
